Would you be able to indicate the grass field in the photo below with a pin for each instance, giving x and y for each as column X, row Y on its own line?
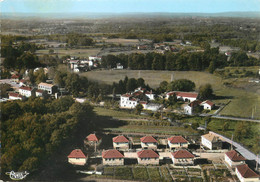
column 242, row 102
column 72, row 52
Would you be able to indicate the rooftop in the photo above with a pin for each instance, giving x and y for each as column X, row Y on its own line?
column 182, row 154
column 147, row 154
column 246, row 172
column 234, row 156
column 148, row 139
column 92, row 137
column 112, row 154
column 120, row 139
column 177, row 139
column 77, row 153
column 211, row 137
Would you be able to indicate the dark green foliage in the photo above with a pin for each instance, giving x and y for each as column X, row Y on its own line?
column 206, row 91
column 181, row 85
column 33, row 130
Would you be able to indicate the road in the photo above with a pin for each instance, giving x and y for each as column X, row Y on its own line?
column 237, row 119
column 240, row 148
column 9, row 81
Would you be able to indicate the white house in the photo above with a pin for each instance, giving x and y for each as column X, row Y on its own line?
column 177, row 142
column 27, row 91
column 15, row 96
column 39, row 93
column 147, row 157
column 127, row 101
column 185, row 96
column 182, row 157
column 95, row 58
column 149, row 142
column 46, row 86
column 245, row 174
column 188, row 109
column 112, row 157
column 119, row 66
column 211, row 141
column 120, row 142
column 77, row 157
column 233, row 159
column 22, row 82
column 208, row 105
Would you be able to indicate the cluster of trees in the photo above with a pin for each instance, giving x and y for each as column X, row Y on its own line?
column 128, row 85
column 33, row 130
column 81, row 86
column 176, row 85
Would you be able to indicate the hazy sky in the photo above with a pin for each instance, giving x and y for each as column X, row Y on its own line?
column 119, row 6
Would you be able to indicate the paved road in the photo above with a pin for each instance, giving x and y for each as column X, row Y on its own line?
column 242, row 150
column 237, row 119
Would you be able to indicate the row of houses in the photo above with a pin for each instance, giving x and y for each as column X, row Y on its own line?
column 26, row 91
column 77, row 65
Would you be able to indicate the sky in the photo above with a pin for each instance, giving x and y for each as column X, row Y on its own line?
column 126, row 6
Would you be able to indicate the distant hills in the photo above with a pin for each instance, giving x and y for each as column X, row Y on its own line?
column 125, row 15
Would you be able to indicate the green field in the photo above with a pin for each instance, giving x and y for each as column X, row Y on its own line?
column 242, row 104
column 83, row 53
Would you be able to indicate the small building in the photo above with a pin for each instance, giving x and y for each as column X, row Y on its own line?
column 177, row 142
column 211, row 141
column 189, row 108
column 22, row 82
column 39, row 93
column 182, row 157
column 233, row 159
column 15, row 78
column 150, row 95
column 120, row 142
column 92, row 140
column 245, row 174
column 15, row 96
column 149, row 142
column 77, row 157
column 208, row 105
column 147, row 157
column 112, row 158
column 26, row 91
column 46, row 86
column 119, row 66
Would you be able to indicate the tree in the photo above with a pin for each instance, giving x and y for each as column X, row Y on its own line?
column 181, row 85
column 140, row 82
column 206, row 91
column 131, row 84
column 242, row 130
column 138, row 109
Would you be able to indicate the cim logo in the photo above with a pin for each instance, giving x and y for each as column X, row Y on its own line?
column 17, row 175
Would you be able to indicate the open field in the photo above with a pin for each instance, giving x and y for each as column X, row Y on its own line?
column 242, row 104
column 72, row 52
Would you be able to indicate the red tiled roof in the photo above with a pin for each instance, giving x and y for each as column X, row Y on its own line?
column 209, row 102
column 26, row 88
column 126, row 95
column 77, row 153
column 120, row 139
column 148, row 139
column 182, row 154
column 195, row 103
column 184, row 94
column 112, row 154
column 92, row 137
column 137, row 93
column 177, row 139
column 246, row 172
column 147, row 154
column 40, row 91
column 15, row 95
column 14, row 76
column 234, row 156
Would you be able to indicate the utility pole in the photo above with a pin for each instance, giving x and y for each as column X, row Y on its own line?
column 232, row 142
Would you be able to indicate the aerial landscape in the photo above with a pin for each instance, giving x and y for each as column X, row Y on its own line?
column 131, row 90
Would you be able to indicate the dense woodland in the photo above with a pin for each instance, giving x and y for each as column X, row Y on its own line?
column 32, row 131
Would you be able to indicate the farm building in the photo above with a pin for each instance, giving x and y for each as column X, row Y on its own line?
column 233, row 159
column 182, row 157
column 177, row 142
column 77, row 157
column 147, row 157
column 149, row 142
column 245, row 174
column 211, row 141
column 112, row 157
column 120, row 142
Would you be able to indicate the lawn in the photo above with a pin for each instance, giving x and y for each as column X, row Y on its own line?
column 115, row 114
column 123, row 173
column 242, row 104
